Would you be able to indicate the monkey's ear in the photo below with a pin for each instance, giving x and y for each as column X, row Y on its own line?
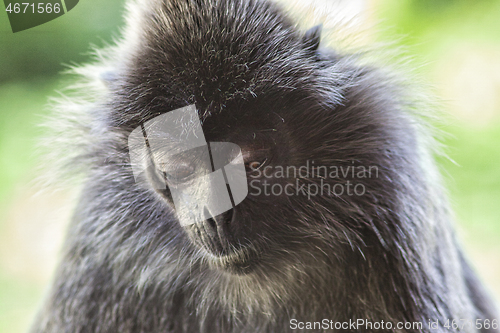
column 312, row 38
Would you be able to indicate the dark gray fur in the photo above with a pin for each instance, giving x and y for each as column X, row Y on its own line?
column 128, row 266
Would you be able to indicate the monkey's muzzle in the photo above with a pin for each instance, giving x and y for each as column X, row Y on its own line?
column 214, row 235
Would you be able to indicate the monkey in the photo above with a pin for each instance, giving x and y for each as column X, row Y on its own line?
column 376, row 251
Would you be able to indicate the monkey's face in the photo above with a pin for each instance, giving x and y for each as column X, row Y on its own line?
column 221, row 177
column 285, row 146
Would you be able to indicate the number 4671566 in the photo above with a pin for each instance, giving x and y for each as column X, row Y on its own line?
column 27, row 7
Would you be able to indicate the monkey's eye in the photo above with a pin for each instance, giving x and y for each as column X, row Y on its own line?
column 253, row 166
column 179, row 172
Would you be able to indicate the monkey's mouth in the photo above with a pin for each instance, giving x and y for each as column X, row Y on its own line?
column 240, row 262
column 222, row 248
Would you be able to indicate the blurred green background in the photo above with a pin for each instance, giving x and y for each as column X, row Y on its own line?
column 456, row 44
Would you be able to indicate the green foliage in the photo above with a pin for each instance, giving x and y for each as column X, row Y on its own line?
column 21, row 111
column 473, row 178
column 426, row 24
column 18, row 301
column 42, row 51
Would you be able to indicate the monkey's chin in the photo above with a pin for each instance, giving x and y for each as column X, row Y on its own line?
column 242, row 262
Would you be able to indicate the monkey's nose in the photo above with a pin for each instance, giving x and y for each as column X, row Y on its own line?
column 213, row 234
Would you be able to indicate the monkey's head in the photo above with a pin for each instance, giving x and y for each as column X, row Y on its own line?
column 318, row 140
